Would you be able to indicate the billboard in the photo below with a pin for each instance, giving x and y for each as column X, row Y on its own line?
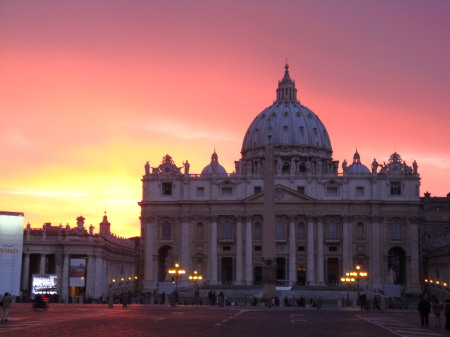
column 77, row 272
column 44, row 284
column 11, row 247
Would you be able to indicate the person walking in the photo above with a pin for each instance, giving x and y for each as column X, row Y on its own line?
column 437, row 313
column 447, row 314
column 6, row 301
column 424, row 308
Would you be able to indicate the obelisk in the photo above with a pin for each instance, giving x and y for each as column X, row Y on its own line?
column 269, row 266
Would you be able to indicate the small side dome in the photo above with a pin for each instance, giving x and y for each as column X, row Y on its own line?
column 356, row 167
column 214, row 167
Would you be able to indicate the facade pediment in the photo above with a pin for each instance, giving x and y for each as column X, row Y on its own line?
column 282, row 194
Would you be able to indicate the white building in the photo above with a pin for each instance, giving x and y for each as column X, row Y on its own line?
column 326, row 220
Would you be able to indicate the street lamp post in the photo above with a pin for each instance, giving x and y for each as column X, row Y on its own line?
column 176, row 272
column 195, row 278
column 352, row 277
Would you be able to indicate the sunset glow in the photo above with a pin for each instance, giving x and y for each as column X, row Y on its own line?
column 91, row 90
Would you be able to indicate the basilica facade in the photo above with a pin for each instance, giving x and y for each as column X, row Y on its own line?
column 324, row 217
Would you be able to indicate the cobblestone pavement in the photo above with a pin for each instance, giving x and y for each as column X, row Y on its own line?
column 160, row 321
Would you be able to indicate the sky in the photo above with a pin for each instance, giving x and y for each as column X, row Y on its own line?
column 91, row 90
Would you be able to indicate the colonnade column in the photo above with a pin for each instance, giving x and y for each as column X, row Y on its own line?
column 185, row 239
column 150, row 224
column 90, row 277
column 213, row 262
column 238, row 250
column 65, row 279
column 375, row 274
column 310, row 270
column 320, row 267
column 346, row 245
column 412, row 270
column 101, row 282
column 26, row 271
column 42, row 264
column 292, row 252
column 248, row 250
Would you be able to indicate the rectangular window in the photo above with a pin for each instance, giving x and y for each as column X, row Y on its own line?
column 257, row 248
column 227, row 191
column 166, row 188
column 332, row 190
column 257, row 189
column 301, row 248
column 332, row 249
column 226, row 248
column 257, row 233
column 360, row 191
column 396, row 188
column 301, row 189
column 301, row 231
column 200, row 192
column 279, row 248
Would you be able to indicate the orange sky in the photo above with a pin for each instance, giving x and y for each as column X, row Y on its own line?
column 91, row 90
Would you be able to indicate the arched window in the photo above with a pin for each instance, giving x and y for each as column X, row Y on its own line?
column 332, row 230
column 257, row 233
column 166, row 230
column 227, row 230
column 280, row 232
column 396, row 231
column 301, row 231
column 360, row 230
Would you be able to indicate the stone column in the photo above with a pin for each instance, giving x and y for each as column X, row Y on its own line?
column 248, row 250
column 320, row 267
column 292, row 251
column 65, row 279
column 42, row 264
column 185, row 239
column 375, row 274
column 412, row 269
column 213, row 260
column 26, row 272
column 310, row 270
column 101, row 281
column 90, row 277
column 238, row 250
column 346, row 246
column 150, row 230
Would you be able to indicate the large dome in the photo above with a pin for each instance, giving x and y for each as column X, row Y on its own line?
column 295, row 128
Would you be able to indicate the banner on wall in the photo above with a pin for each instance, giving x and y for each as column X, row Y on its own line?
column 11, row 248
column 77, row 273
column 44, row 284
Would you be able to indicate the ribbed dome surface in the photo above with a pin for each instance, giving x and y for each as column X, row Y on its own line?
column 292, row 124
column 357, row 168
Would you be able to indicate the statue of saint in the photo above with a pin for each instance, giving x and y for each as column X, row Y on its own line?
column 375, row 166
column 147, row 168
column 186, row 167
column 415, row 167
column 392, row 277
column 344, row 166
